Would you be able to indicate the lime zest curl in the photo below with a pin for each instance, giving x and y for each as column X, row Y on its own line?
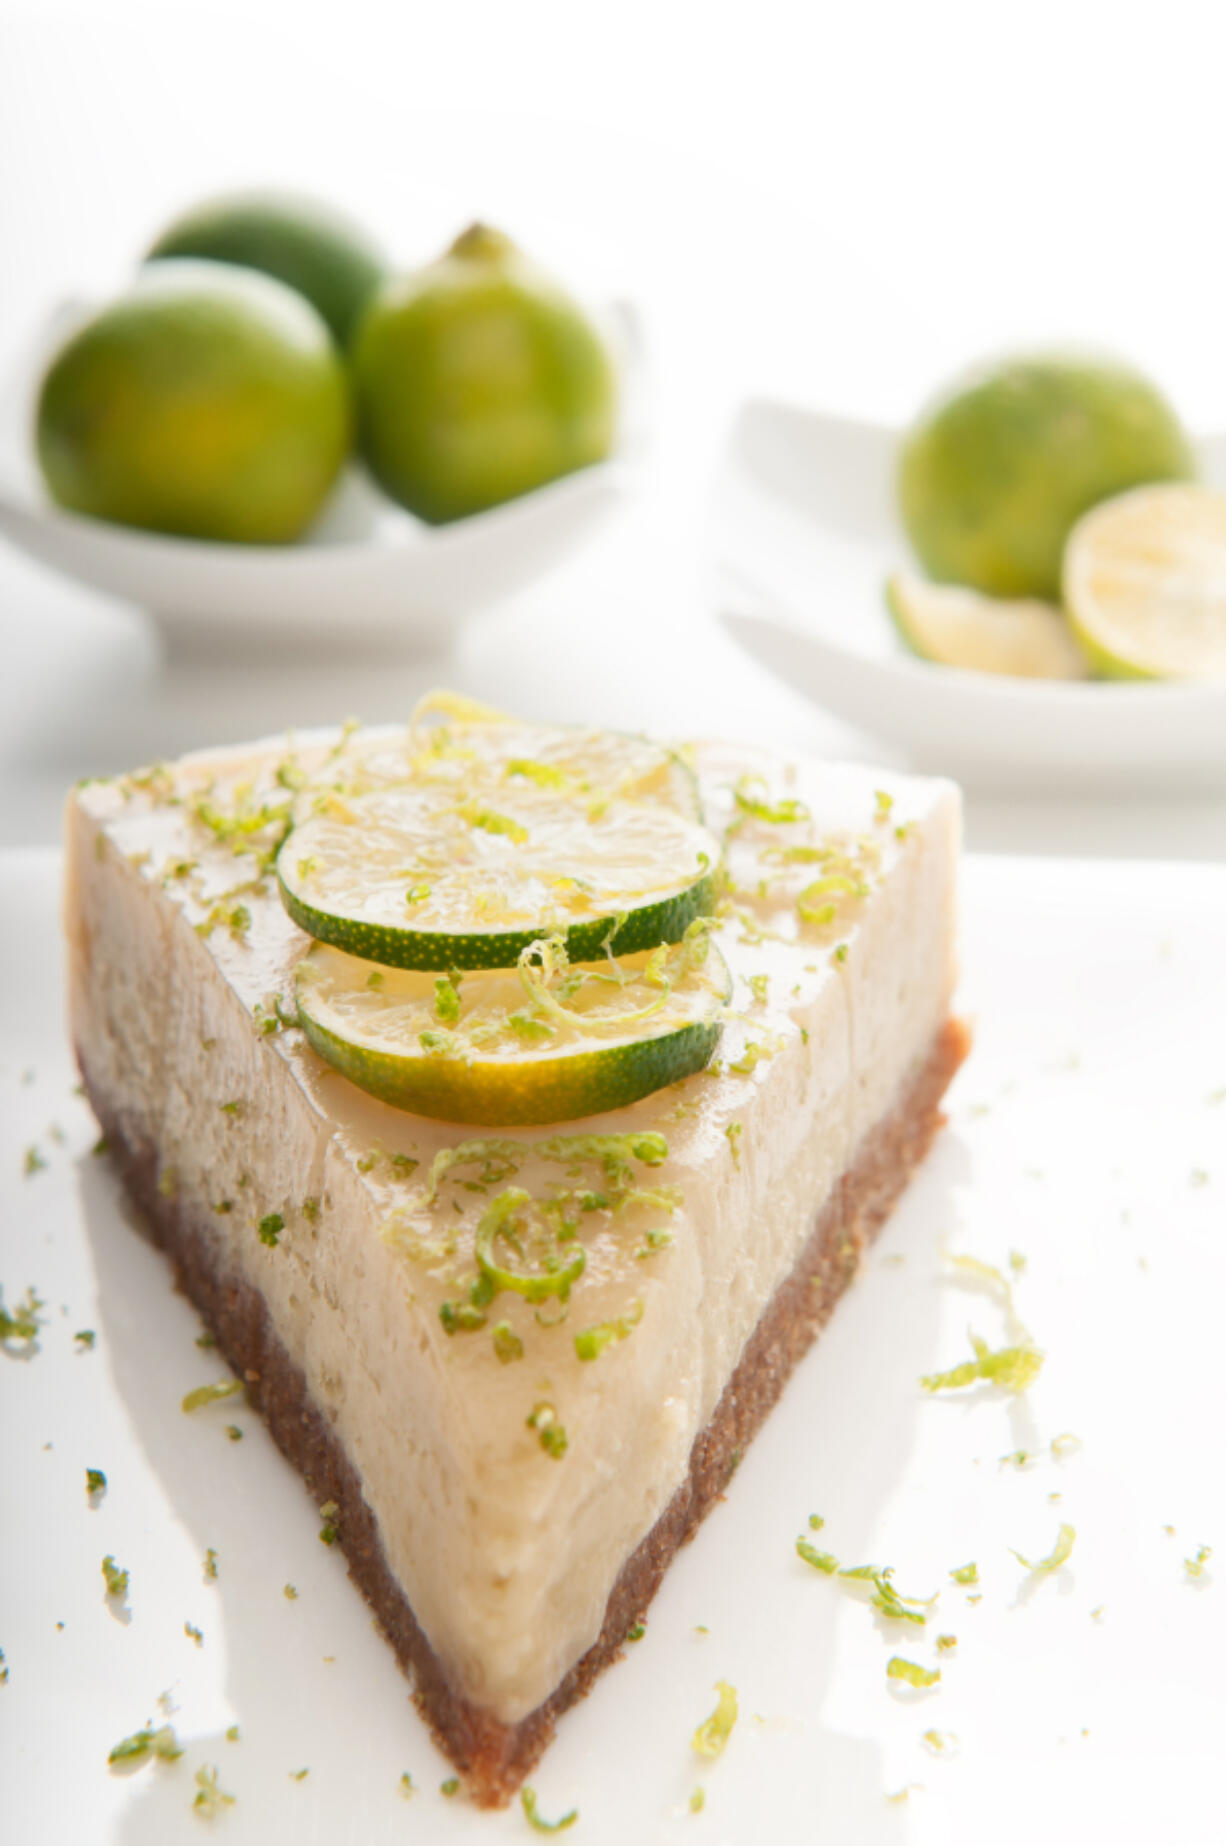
column 713, row 1733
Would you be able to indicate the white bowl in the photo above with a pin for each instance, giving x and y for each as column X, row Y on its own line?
column 805, row 532
column 367, row 572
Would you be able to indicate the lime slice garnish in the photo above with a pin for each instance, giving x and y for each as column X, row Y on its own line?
column 1145, row 584
column 500, row 757
column 546, row 1041
column 430, row 878
column 956, row 627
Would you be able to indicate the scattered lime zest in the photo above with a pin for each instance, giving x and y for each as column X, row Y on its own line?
column 819, row 902
column 210, row 1796
column 538, row 1824
column 489, row 821
column 1195, row 1566
column 210, row 1564
column 1067, row 1444
column 549, row 1432
column 591, row 1342
column 888, row 1601
column 193, row 1633
column 116, row 1579
column 290, row 1593
column 911, row 1673
column 713, row 1733
column 545, row 775
column 505, row 1156
column 330, row 1513
column 698, row 1801
column 1060, row 1553
column 824, row 1561
column 34, row 1161
column 1015, row 1368
column 965, row 1573
column 941, row 1743
column 19, row 1326
column 85, row 1340
column 946, row 1643
column 271, row 1226
column 749, row 1059
column 95, row 1482
column 450, row 1787
column 507, row 1344
column 447, row 998
column 816, row 1522
column 406, row 1785
column 636, row 1632
column 733, row 1133
column 884, row 802
column 211, row 1393
column 160, row 1741
column 786, row 812
column 500, row 1220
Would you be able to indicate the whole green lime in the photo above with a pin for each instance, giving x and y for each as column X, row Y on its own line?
column 995, row 475
column 478, row 379
column 301, row 242
column 206, row 401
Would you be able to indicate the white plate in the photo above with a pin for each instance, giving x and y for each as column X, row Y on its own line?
column 1084, row 1133
column 805, row 533
column 367, row 573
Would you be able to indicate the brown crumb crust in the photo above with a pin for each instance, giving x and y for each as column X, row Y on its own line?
column 495, row 1757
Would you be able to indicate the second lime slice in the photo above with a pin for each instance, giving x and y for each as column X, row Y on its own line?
column 546, row 1041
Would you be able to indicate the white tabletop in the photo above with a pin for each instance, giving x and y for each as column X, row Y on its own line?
column 772, row 242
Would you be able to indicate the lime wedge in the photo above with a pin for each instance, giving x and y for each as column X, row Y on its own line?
column 960, row 628
column 546, row 1041
column 1145, row 584
column 440, row 878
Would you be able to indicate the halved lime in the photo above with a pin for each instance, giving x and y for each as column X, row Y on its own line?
column 428, row 878
column 960, row 628
column 547, row 1041
column 1145, row 584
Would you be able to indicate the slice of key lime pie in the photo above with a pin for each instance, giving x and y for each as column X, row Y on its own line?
column 514, row 1103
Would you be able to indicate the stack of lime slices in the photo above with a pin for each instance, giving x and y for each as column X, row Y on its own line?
column 511, row 923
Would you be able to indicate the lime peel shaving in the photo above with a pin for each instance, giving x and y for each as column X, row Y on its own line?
column 911, row 1673
column 1060, row 1553
column 713, row 1733
column 537, row 1822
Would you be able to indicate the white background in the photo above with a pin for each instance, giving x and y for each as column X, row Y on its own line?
column 836, row 203
column 839, row 204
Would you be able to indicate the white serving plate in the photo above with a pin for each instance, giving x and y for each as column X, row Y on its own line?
column 1088, row 1131
column 368, row 573
column 805, row 532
